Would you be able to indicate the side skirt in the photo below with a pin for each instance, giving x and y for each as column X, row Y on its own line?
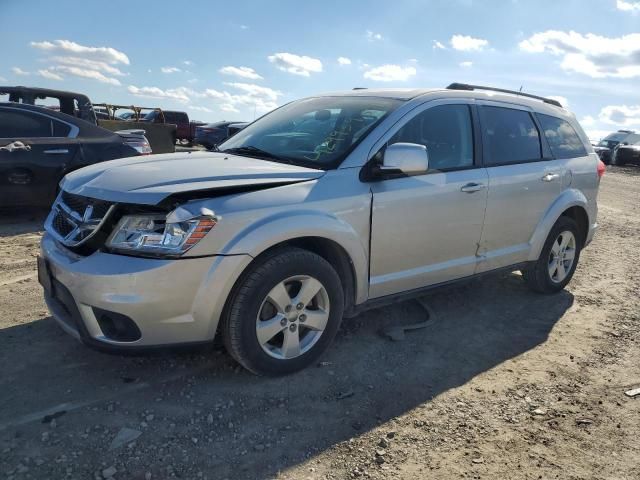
column 411, row 294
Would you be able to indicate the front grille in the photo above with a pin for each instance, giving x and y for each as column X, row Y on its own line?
column 74, row 219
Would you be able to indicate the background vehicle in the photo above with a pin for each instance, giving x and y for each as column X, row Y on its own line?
column 626, row 153
column 39, row 146
column 212, row 134
column 324, row 207
column 161, row 137
column 606, row 146
column 185, row 129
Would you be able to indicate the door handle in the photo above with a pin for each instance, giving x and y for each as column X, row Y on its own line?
column 472, row 187
column 550, row 177
column 57, row 151
column 15, row 146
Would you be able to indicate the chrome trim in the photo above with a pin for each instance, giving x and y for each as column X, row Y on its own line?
column 73, row 133
column 80, row 223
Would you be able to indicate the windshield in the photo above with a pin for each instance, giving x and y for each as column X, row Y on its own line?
column 317, row 132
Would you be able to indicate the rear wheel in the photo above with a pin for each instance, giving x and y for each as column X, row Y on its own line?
column 284, row 313
column 558, row 260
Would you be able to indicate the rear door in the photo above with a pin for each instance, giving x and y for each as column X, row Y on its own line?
column 524, row 180
column 29, row 175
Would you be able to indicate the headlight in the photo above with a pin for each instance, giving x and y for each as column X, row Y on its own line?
column 153, row 235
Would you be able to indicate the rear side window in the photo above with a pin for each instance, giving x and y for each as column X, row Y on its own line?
column 562, row 137
column 14, row 124
column 511, row 136
column 446, row 132
column 182, row 117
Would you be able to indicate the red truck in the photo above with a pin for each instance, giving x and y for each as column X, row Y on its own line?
column 185, row 129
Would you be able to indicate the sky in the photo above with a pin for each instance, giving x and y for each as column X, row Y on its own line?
column 237, row 60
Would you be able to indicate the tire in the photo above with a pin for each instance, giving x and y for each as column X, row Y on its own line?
column 550, row 273
column 264, row 317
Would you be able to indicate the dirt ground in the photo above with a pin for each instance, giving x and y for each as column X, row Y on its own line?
column 503, row 384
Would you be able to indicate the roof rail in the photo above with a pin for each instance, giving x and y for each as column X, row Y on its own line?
column 359, row 88
column 464, row 86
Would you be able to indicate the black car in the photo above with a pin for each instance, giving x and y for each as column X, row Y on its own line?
column 626, row 153
column 213, row 134
column 39, row 146
column 608, row 144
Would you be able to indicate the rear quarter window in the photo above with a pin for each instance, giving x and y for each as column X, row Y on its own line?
column 561, row 136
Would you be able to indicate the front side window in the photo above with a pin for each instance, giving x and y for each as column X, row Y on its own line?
column 315, row 132
column 563, row 139
column 446, row 132
column 14, row 124
column 511, row 136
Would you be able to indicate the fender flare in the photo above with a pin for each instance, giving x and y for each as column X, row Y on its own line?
column 567, row 199
column 284, row 226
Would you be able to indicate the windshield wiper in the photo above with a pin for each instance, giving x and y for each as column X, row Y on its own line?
column 252, row 151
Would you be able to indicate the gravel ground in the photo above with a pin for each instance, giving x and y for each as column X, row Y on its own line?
column 502, row 384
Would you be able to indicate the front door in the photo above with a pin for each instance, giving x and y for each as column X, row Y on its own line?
column 426, row 228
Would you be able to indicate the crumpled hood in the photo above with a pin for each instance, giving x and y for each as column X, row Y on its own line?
column 150, row 179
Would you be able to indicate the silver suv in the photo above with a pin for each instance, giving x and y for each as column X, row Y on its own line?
column 318, row 210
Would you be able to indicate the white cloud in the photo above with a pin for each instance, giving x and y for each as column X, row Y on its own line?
column 390, row 73
column 466, row 43
column 198, row 108
column 251, row 96
column 170, row 69
column 244, row 27
column 596, row 135
column 466, row 64
column 192, row 80
column 19, row 71
column 49, row 74
column 633, row 7
column 101, row 54
column 563, row 100
column 71, row 58
column 2, row 79
column 87, row 64
column 188, row 63
column 85, row 73
column 181, row 94
column 438, row 45
column 372, row 36
column 344, row 61
column 621, row 115
column 588, row 121
column 592, row 55
column 243, row 72
column 296, row 64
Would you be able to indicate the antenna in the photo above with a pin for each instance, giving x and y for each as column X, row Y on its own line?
column 520, row 88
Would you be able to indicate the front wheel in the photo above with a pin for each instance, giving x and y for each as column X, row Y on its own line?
column 558, row 260
column 284, row 312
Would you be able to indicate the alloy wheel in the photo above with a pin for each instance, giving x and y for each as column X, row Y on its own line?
column 292, row 317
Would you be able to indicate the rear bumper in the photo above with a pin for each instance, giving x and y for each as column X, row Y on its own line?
column 171, row 302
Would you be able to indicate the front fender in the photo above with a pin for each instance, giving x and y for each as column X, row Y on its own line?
column 567, row 199
column 261, row 235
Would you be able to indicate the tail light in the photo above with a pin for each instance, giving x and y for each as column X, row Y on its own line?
column 141, row 145
column 601, row 168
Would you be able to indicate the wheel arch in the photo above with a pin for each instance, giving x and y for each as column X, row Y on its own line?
column 571, row 203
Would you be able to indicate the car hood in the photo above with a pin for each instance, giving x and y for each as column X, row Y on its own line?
column 150, row 179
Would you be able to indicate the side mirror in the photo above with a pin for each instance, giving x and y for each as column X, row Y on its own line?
column 408, row 158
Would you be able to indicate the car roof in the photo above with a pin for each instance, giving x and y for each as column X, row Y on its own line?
column 409, row 94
